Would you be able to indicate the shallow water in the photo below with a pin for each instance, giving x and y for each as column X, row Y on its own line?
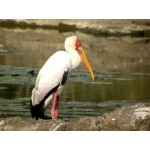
column 121, row 66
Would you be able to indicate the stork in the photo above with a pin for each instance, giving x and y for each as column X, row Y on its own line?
column 53, row 76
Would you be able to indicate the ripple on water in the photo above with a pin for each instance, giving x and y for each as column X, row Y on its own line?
column 67, row 110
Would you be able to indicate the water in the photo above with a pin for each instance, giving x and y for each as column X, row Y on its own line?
column 121, row 66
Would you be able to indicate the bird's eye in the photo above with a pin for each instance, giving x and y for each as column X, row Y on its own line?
column 77, row 44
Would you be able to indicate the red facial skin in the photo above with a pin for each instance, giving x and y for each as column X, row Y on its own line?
column 77, row 44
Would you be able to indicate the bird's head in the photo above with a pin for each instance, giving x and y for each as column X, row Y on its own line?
column 74, row 43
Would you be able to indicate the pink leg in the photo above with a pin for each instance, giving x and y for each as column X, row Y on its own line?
column 54, row 111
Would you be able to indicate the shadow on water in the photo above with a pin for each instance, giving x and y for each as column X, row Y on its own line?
column 121, row 66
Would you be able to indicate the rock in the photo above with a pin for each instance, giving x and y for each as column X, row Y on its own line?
column 122, row 119
column 127, row 118
column 18, row 124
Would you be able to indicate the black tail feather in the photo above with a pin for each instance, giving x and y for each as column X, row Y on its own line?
column 37, row 111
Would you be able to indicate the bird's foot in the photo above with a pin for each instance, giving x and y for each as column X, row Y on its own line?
column 54, row 113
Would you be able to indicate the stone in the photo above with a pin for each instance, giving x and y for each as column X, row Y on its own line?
column 126, row 118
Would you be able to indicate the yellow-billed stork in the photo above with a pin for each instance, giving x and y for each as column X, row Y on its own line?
column 53, row 76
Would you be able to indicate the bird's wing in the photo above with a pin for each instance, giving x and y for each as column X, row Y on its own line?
column 52, row 74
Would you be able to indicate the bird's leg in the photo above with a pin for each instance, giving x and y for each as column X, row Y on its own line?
column 54, row 111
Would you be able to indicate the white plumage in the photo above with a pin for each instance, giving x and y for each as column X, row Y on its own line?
column 50, row 75
column 53, row 76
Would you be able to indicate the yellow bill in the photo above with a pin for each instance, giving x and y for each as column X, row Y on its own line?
column 85, row 60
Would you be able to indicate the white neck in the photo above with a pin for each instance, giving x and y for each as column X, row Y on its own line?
column 75, row 58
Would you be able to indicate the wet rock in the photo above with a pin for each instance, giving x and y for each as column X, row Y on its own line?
column 49, row 125
column 127, row 118
column 18, row 124
column 122, row 119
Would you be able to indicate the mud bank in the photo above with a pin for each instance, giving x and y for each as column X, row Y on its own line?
column 104, row 53
column 96, row 27
column 127, row 118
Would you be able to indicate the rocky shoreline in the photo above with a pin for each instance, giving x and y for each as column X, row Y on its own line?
column 126, row 118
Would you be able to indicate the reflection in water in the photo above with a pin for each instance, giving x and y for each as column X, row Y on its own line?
column 121, row 66
column 88, row 98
